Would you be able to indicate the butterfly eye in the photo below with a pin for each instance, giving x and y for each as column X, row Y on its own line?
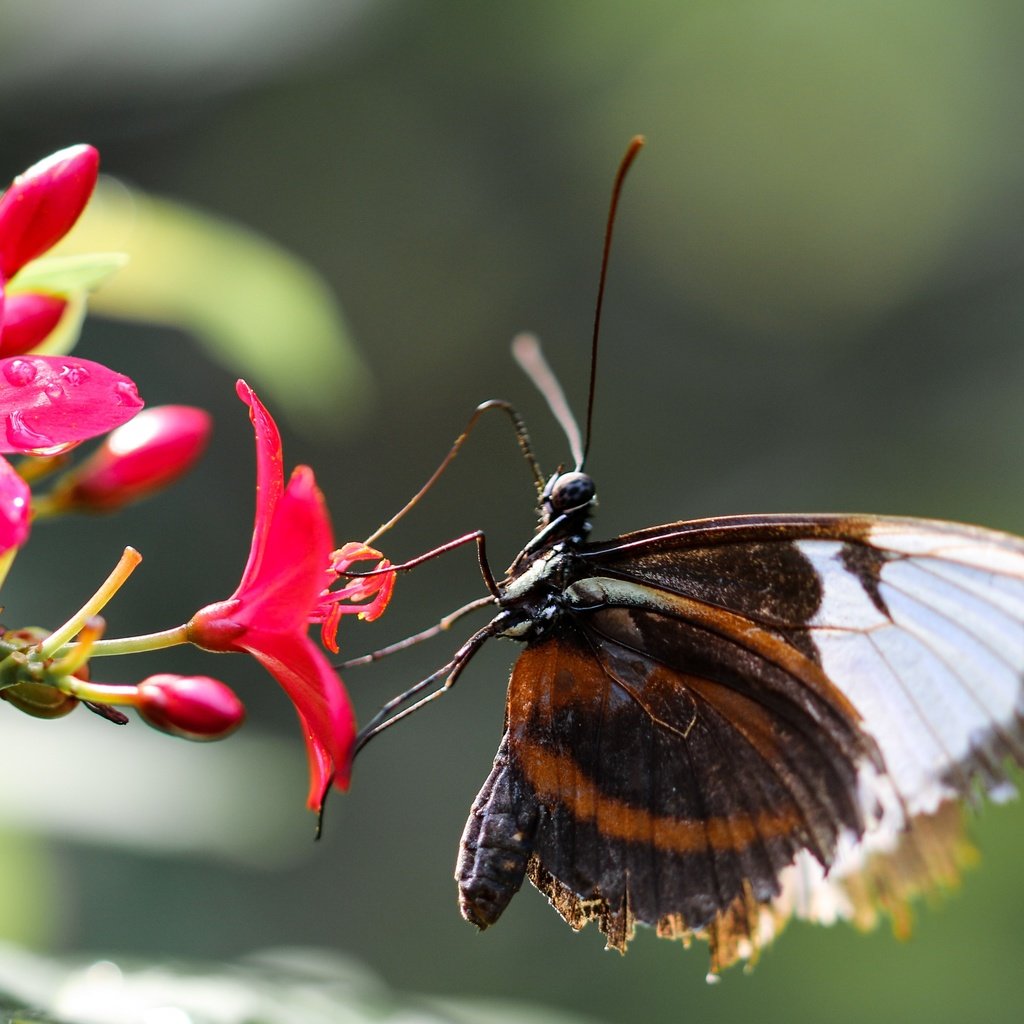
column 571, row 490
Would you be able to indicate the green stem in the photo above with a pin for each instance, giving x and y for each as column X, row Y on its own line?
column 6, row 561
column 135, row 644
column 44, row 507
column 111, row 585
column 76, row 655
column 101, row 693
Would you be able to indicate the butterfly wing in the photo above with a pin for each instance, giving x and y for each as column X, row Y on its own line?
column 920, row 624
column 741, row 719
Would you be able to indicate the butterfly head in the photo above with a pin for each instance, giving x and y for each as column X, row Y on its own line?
column 566, row 504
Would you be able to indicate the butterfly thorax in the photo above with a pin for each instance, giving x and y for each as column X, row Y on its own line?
column 532, row 593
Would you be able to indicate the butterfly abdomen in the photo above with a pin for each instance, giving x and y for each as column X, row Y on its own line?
column 496, row 844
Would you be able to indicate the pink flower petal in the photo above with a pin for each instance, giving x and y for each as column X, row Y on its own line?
column 15, row 501
column 286, row 585
column 42, row 204
column 50, row 403
column 329, row 724
column 269, row 476
column 27, row 319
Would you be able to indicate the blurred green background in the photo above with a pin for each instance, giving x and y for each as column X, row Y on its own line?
column 816, row 303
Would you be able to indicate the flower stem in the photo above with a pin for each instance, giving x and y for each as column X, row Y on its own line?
column 34, row 469
column 6, row 561
column 135, row 644
column 44, row 506
column 110, row 586
column 74, row 657
column 101, row 693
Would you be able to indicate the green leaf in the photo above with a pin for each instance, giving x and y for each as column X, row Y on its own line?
column 62, row 275
column 277, row 987
column 64, row 336
column 13, row 1016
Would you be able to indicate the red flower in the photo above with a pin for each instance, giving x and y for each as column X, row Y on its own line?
column 269, row 612
column 136, row 459
column 36, row 212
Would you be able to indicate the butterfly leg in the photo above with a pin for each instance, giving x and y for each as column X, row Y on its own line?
column 477, row 536
column 449, row 673
column 410, row 641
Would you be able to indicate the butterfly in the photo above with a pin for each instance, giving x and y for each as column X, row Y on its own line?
column 719, row 724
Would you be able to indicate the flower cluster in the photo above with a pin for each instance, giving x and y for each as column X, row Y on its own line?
column 51, row 403
column 48, row 403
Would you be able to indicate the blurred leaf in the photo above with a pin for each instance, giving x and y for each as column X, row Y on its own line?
column 209, row 804
column 9, row 1015
column 257, row 309
column 297, row 986
column 33, row 889
column 72, row 277
column 502, row 1011
column 62, row 274
column 64, row 336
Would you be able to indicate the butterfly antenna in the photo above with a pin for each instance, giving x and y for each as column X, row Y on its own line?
column 522, row 439
column 635, row 145
column 527, row 351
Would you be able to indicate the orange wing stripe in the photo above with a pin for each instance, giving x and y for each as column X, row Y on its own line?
column 558, row 778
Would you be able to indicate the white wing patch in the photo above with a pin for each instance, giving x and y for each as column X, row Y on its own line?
column 845, row 604
column 925, row 636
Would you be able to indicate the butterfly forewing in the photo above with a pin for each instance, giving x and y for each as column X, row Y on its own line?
column 735, row 720
column 918, row 624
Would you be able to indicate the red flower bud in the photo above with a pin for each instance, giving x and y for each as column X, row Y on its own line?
column 138, row 458
column 193, row 707
column 43, row 203
column 15, row 505
column 28, row 319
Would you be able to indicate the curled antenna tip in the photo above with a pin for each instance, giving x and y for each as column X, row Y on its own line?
column 527, row 351
column 525, row 347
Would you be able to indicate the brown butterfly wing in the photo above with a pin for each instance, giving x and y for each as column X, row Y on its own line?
column 918, row 624
column 680, row 753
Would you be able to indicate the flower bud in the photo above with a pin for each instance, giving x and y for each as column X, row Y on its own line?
column 39, row 700
column 15, row 506
column 43, row 203
column 193, row 707
column 138, row 458
column 29, row 318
